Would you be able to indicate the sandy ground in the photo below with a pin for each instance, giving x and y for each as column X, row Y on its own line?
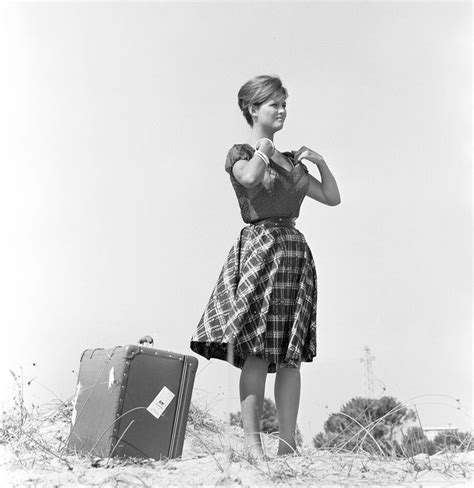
column 212, row 456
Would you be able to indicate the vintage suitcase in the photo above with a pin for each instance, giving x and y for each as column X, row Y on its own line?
column 132, row 401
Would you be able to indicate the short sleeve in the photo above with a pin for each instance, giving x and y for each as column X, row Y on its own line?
column 236, row 153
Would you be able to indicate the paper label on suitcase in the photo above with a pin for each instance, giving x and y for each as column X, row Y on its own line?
column 161, row 401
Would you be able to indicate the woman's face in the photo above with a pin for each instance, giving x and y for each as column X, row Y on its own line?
column 271, row 114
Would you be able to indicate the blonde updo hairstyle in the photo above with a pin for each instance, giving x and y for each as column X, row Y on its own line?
column 257, row 91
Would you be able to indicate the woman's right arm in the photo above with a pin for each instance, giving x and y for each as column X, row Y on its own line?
column 250, row 173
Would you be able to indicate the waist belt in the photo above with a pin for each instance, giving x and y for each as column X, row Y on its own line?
column 275, row 221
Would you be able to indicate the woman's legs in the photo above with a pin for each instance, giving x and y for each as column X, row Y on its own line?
column 252, row 390
column 287, row 400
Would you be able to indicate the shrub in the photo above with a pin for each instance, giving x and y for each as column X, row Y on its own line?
column 415, row 442
column 365, row 423
column 453, row 440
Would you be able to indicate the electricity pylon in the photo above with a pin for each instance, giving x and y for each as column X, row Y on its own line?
column 369, row 379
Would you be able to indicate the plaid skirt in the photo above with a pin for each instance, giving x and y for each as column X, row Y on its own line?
column 264, row 301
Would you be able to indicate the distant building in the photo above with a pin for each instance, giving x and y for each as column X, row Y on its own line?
column 432, row 432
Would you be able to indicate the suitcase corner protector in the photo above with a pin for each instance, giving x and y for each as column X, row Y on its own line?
column 131, row 350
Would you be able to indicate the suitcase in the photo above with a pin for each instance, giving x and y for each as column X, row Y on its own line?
column 132, row 401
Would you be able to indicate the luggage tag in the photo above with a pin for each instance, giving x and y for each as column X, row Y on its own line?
column 161, row 401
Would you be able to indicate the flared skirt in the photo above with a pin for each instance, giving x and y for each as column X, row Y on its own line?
column 264, row 301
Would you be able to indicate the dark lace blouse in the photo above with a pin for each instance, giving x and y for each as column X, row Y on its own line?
column 279, row 194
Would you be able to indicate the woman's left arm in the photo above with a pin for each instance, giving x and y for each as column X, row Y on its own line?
column 326, row 190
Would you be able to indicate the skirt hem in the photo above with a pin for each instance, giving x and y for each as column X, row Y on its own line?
column 213, row 350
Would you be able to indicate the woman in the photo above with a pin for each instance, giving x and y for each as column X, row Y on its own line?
column 261, row 316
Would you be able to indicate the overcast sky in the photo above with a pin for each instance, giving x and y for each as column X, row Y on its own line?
column 117, row 214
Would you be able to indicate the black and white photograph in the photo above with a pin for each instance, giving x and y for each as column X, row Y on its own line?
column 236, row 243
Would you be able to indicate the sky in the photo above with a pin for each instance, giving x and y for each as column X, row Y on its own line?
column 117, row 215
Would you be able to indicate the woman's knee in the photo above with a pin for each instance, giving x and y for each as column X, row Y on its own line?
column 256, row 362
column 288, row 367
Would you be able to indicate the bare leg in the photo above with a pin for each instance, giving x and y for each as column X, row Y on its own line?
column 287, row 400
column 252, row 390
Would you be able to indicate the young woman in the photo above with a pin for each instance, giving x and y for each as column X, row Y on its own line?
column 261, row 316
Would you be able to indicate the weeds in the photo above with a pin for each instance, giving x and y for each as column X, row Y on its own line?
column 200, row 418
column 213, row 454
column 13, row 421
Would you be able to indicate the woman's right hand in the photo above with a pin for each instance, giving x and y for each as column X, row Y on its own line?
column 266, row 146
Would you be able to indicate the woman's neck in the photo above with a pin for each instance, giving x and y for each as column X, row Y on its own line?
column 258, row 133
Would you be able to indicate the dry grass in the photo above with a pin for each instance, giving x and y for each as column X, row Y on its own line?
column 32, row 453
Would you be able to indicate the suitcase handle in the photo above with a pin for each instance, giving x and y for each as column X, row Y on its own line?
column 146, row 340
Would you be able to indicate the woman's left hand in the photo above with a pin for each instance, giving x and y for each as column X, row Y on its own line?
column 324, row 191
column 307, row 153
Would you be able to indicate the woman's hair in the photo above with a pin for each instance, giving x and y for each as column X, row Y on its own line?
column 257, row 91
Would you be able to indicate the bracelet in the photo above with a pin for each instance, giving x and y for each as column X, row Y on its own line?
column 262, row 156
column 265, row 139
